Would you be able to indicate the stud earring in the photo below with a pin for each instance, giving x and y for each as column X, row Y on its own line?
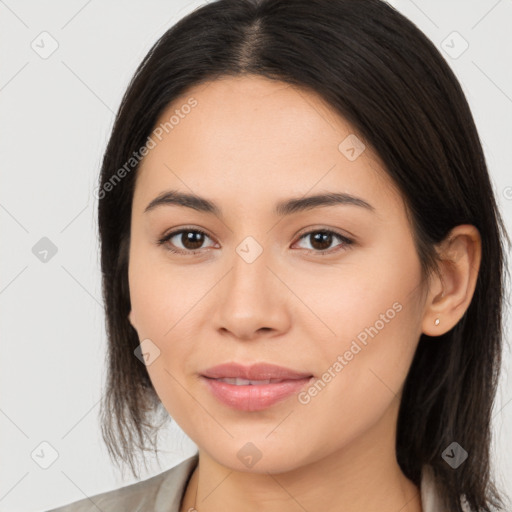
column 437, row 321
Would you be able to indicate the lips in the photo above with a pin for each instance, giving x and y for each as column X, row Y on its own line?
column 253, row 388
column 255, row 372
column 244, row 382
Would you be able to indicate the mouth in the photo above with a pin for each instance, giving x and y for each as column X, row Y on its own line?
column 246, row 382
column 253, row 388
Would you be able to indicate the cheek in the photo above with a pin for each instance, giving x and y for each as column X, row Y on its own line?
column 161, row 294
column 376, row 321
column 364, row 368
column 166, row 306
column 374, row 302
column 160, row 308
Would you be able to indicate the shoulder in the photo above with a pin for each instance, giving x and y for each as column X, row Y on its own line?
column 154, row 494
column 431, row 499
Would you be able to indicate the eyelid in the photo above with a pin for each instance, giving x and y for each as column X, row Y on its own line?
column 316, row 228
column 172, row 233
column 346, row 244
column 346, row 241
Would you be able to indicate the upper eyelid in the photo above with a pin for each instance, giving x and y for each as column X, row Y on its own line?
column 308, row 231
column 301, row 235
column 346, row 240
column 173, row 233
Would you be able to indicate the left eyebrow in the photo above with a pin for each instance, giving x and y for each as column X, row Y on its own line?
column 300, row 204
column 283, row 208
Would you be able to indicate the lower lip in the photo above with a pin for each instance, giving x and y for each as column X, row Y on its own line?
column 254, row 398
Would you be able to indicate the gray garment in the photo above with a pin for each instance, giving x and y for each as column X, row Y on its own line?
column 163, row 493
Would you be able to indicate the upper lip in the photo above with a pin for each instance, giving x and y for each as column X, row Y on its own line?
column 258, row 371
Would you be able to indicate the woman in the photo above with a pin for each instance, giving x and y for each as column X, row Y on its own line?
column 302, row 265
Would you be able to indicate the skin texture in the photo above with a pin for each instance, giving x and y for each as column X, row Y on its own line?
column 249, row 143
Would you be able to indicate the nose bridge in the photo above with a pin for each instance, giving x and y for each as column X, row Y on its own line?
column 250, row 273
column 250, row 297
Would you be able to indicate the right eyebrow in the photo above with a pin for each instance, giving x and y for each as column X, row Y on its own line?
column 283, row 208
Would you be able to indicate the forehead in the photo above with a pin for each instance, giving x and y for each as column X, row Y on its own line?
column 252, row 139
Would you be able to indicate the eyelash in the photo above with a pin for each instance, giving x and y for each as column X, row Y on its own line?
column 347, row 242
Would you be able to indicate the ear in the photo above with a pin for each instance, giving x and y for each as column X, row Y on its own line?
column 452, row 289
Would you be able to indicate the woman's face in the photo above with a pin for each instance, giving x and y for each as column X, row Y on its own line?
column 266, row 284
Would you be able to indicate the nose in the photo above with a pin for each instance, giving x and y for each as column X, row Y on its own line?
column 252, row 300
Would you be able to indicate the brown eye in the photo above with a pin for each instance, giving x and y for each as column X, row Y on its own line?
column 190, row 239
column 321, row 240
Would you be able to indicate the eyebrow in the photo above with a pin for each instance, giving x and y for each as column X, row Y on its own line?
column 283, row 208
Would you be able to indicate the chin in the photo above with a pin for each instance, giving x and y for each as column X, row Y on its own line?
column 259, row 456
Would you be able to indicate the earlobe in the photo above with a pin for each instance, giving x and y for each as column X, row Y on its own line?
column 452, row 289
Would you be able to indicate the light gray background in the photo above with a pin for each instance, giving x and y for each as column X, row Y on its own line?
column 56, row 114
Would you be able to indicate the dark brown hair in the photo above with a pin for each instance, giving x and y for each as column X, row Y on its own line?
column 377, row 70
